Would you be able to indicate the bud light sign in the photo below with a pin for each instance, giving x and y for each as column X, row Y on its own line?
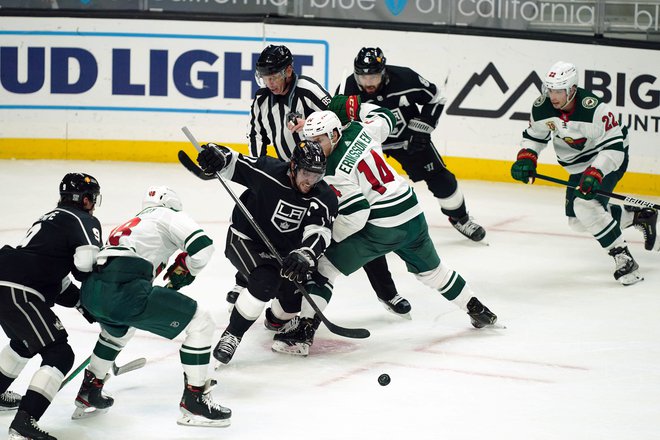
column 140, row 72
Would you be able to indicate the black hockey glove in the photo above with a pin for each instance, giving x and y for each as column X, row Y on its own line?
column 83, row 311
column 420, row 139
column 213, row 158
column 298, row 264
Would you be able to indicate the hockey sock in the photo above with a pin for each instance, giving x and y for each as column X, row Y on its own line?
column 11, row 365
column 106, row 351
column 195, row 352
column 42, row 390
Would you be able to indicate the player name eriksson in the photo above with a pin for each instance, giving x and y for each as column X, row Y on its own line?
column 354, row 152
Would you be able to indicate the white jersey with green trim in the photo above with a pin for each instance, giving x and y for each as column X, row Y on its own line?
column 590, row 135
column 155, row 234
column 368, row 188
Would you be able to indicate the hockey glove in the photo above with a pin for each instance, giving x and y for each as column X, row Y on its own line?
column 347, row 108
column 524, row 167
column 589, row 183
column 83, row 311
column 420, row 139
column 178, row 273
column 298, row 264
column 213, row 158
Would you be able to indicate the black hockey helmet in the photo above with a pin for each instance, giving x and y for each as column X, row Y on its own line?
column 274, row 59
column 369, row 60
column 308, row 155
column 309, row 159
column 75, row 186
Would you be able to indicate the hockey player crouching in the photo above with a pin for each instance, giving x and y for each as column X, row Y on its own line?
column 294, row 208
column 33, row 277
column 378, row 214
column 120, row 295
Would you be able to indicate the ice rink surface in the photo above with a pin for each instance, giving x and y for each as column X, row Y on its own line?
column 579, row 359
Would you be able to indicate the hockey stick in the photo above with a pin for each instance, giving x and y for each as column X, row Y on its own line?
column 604, row 193
column 187, row 162
column 75, row 372
column 116, row 369
column 135, row 364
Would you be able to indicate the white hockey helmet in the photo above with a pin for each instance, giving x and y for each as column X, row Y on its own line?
column 323, row 122
column 162, row 196
column 561, row 76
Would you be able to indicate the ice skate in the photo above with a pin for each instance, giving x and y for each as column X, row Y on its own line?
column 271, row 322
column 468, row 228
column 24, row 427
column 226, row 347
column 9, row 401
column 480, row 315
column 626, row 266
column 198, row 408
column 91, row 401
column 646, row 220
column 296, row 336
column 232, row 296
column 397, row 305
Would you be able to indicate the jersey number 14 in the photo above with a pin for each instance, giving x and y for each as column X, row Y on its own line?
column 384, row 172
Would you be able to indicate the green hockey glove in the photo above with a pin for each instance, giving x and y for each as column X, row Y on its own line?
column 347, row 108
column 589, row 183
column 525, row 165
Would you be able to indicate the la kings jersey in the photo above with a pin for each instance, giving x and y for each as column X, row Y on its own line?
column 268, row 123
column 155, row 234
column 368, row 188
column 43, row 260
column 288, row 218
column 588, row 136
column 406, row 94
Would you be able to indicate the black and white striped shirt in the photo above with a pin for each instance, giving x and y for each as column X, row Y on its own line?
column 268, row 125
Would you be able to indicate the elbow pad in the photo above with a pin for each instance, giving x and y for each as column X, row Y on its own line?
column 85, row 257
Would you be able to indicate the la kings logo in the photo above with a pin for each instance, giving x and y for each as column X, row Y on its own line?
column 287, row 217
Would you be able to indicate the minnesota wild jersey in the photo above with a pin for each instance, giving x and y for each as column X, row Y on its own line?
column 590, row 135
column 368, row 188
column 155, row 234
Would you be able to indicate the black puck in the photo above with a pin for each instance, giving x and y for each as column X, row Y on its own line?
column 384, row 379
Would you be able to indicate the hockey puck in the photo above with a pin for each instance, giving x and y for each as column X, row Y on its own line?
column 384, row 379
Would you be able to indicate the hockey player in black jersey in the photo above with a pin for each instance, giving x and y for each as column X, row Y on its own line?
column 295, row 209
column 278, row 114
column 417, row 105
column 34, row 276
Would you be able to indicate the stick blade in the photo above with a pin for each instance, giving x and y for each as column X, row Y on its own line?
column 191, row 166
column 132, row 365
column 353, row 333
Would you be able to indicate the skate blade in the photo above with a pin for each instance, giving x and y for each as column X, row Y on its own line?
column 86, row 412
column 193, row 420
column 14, row 435
column 631, row 278
column 295, row 349
column 401, row 315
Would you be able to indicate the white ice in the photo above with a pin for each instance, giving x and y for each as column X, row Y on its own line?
column 579, row 359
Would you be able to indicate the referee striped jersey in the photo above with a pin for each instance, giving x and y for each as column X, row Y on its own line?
column 269, row 111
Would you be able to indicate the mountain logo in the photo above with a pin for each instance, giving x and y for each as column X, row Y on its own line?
column 478, row 79
column 396, row 6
